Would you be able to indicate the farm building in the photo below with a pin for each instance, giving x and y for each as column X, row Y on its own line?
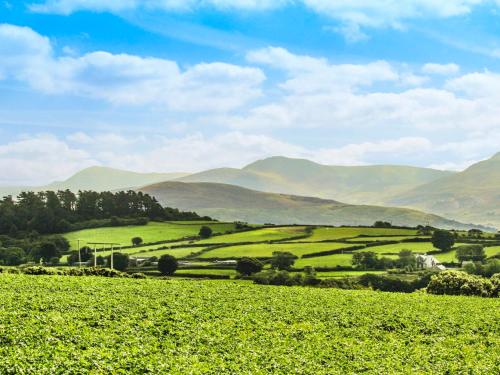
column 428, row 262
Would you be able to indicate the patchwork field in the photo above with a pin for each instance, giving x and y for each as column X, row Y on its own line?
column 266, row 250
column 259, row 235
column 118, row 326
column 152, row 232
column 332, row 234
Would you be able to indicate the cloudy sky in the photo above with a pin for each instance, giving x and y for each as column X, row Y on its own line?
column 186, row 85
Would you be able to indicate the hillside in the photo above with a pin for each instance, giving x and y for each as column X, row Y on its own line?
column 354, row 184
column 98, row 179
column 472, row 195
column 229, row 203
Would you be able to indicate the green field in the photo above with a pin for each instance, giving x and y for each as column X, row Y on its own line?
column 179, row 252
column 266, row 250
column 416, row 247
column 125, row 326
column 259, row 235
column 384, row 238
column 329, row 234
column 450, row 256
column 206, row 272
column 339, row 274
column 152, row 232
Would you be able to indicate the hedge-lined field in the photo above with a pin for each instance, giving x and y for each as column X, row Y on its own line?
column 266, row 250
column 152, row 232
column 68, row 325
column 332, row 234
column 259, row 235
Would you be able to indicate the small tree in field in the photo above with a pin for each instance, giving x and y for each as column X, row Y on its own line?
column 248, row 266
column 120, row 261
column 167, row 265
column 282, row 260
column 443, row 240
column 205, row 232
column 136, row 241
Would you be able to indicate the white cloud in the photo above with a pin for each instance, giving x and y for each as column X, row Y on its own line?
column 441, row 69
column 125, row 79
column 477, row 85
column 40, row 159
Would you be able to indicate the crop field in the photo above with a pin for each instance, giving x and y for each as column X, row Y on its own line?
column 332, row 234
column 259, row 235
column 266, row 250
column 111, row 326
column 152, row 232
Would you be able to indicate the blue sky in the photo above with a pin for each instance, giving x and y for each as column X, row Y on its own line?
column 170, row 85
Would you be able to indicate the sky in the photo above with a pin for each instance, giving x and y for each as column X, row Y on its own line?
column 184, row 86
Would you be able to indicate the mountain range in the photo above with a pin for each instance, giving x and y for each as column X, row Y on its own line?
column 470, row 196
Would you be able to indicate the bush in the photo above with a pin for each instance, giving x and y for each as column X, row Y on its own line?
column 205, row 232
column 283, row 260
column 387, row 283
column 136, row 241
column 341, row 283
column 167, row 265
column 474, row 253
column 138, row 275
column 248, row 266
column 495, row 281
column 460, row 283
column 120, row 261
column 37, row 270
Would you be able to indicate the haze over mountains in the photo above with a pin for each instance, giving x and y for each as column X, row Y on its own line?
column 230, row 202
column 471, row 196
column 373, row 184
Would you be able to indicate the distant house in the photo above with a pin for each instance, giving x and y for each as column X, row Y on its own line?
column 429, row 262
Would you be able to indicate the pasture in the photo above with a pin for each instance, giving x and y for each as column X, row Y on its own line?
column 259, row 235
column 266, row 250
column 332, row 234
column 152, row 232
column 117, row 326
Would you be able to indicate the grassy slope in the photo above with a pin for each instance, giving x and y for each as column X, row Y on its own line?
column 180, row 326
column 326, row 234
column 471, row 195
column 265, row 234
column 153, row 232
column 229, row 203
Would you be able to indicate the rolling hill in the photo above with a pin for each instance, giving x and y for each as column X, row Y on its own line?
column 230, row 203
column 354, row 184
column 98, row 179
column 471, row 195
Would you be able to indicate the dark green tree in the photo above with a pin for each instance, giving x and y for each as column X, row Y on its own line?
column 167, row 265
column 205, row 232
column 443, row 240
column 248, row 266
column 136, row 241
column 283, row 260
column 120, row 261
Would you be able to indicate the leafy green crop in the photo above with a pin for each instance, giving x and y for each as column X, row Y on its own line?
column 81, row 325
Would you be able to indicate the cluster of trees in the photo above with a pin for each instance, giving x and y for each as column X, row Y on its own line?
column 34, row 248
column 461, row 283
column 55, row 212
column 369, row 260
column 281, row 261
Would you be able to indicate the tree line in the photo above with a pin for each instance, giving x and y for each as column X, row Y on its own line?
column 59, row 211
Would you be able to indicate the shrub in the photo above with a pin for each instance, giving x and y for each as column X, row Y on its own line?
column 167, row 265
column 387, row 283
column 138, row 275
column 283, row 260
column 120, row 261
column 136, row 241
column 459, row 283
column 473, row 253
column 37, row 270
column 205, row 232
column 248, row 266
column 341, row 283
column 495, row 281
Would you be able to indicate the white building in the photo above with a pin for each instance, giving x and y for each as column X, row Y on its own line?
column 428, row 262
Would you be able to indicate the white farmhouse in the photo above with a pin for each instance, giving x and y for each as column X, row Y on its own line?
column 429, row 262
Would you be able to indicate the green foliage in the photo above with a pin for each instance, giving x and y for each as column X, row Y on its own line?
column 12, row 256
column 167, row 265
column 248, row 266
column 282, row 260
column 474, row 253
column 460, row 283
column 136, row 241
column 205, row 232
column 443, row 240
column 127, row 326
column 491, row 267
column 120, row 261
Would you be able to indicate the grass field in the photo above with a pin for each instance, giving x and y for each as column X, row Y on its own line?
column 125, row 326
column 266, row 250
column 450, row 256
column 179, row 252
column 384, row 238
column 265, row 234
column 152, row 232
column 328, row 234
column 339, row 274
column 206, row 272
